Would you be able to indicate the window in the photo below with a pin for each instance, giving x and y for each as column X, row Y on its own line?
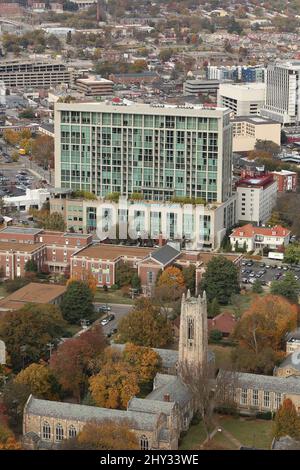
column 59, row 432
column 244, row 396
column 144, row 443
column 278, row 399
column 150, row 277
column 72, row 431
column 46, row 431
column 267, row 399
column 190, row 328
column 255, row 397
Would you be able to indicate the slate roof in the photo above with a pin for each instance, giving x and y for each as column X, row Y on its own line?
column 285, row 443
column 170, row 385
column 269, row 383
column 150, row 406
column 165, row 254
column 293, row 335
column 61, row 410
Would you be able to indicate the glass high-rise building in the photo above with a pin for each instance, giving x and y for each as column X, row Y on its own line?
column 159, row 151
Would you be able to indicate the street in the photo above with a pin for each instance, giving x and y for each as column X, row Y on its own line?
column 119, row 311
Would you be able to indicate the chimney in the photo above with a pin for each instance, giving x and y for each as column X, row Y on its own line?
column 160, row 240
column 167, row 397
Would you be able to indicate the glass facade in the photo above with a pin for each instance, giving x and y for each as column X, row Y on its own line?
column 159, row 156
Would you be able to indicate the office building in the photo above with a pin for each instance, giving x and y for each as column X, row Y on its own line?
column 243, row 99
column 198, row 87
column 35, row 74
column 282, row 94
column 236, row 73
column 158, row 151
column 94, row 86
column 247, row 130
column 256, row 198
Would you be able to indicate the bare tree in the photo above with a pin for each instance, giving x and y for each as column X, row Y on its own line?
column 209, row 393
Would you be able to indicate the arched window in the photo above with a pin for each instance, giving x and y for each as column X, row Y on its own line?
column 59, row 432
column 190, row 328
column 72, row 431
column 144, row 443
column 46, row 431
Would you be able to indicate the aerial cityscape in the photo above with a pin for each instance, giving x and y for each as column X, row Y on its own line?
column 149, row 225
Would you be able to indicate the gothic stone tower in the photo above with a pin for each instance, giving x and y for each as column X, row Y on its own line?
column 193, row 331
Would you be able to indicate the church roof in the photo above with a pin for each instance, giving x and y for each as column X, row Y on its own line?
column 165, row 254
column 289, row 361
column 269, row 383
column 150, row 406
column 170, row 385
column 61, row 410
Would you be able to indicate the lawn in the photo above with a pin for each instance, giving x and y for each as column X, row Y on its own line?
column 241, row 303
column 250, row 432
column 113, row 297
column 222, row 355
column 3, row 292
column 194, row 437
column 73, row 329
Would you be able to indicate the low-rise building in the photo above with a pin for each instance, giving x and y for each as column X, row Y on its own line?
column 94, row 86
column 252, row 238
column 293, row 341
column 225, row 322
column 32, row 199
column 193, row 87
column 247, row 130
column 256, row 198
column 33, row 293
column 286, row 180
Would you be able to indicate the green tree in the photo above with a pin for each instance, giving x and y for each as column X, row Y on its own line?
column 292, row 253
column 288, row 287
column 287, row 421
column 220, row 280
column 215, row 336
column 54, row 221
column 77, row 302
column 257, row 287
column 124, row 274
column 26, row 332
column 145, row 325
column 189, row 275
column 213, row 308
column 31, row 266
column 14, row 398
column 14, row 284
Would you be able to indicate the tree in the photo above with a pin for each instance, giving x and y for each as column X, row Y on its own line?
column 287, row 421
column 116, row 382
column 77, row 302
column 31, row 266
column 267, row 146
column 75, row 359
column 26, row 332
column 172, row 278
column 145, row 361
column 213, row 308
column 220, row 280
column 166, row 54
column 53, row 221
column 189, row 275
column 43, row 151
column 70, row 6
column 124, row 273
column 107, row 435
column 14, row 284
column 215, row 336
column 288, row 287
column 262, row 328
column 292, row 253
column 39, row 379
column 145, row 325
column 14, row 397
column 27, row 113
column 7, row 439
column 257, row 287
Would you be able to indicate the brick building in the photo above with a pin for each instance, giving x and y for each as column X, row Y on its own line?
column 286, row 180
column 33, row 292
column 49, row 249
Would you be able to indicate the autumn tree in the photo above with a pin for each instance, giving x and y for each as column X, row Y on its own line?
column 26, row 332
column 77, row 302
column 189, row 275
column 14, row 397
column 220, row 280
column 76, row 358
column 145, row 325
column 262, row 328
column 172, row 281
column 104, row 435
column 288, row 287
column 116, row 382
column 287, row 421
column 145, row 361
column 43, row 151
column 40, row 380
column 7, row 439
column 267, row 146
column 85, row 276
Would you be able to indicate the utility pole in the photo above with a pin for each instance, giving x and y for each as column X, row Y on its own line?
column 50, row 347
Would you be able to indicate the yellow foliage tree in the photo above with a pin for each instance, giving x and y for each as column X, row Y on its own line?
column 38, row 378
column 85, row 277
column 144, row 360
column 172, row 277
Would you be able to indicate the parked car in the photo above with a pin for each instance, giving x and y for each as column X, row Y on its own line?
column 103, row 308
column 104, row 321
column 111, row 317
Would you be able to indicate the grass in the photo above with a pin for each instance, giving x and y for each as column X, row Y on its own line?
column 194, row 437
column 220, row 442
column 250, row 432
column 243, row 302
column 73, row 329
column 3, row 292
column 114, row 297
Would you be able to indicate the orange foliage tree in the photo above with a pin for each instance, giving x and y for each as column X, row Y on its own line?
column 171, row 277
column 85, row 277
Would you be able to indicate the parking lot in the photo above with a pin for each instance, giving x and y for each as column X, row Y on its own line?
column 14, row 180
column 266, row 271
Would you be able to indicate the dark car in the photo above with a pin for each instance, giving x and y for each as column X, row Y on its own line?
column 103, row 308
column 111, row 317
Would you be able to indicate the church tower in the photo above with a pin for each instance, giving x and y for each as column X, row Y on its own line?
column 193, row 331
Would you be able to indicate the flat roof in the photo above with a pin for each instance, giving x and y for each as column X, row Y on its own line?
column 22, row 230
column 257, row 120
column 38, row 293
column 20, row 247
column 112, row 252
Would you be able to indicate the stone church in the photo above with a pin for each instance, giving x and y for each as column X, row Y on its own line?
column 158, row 419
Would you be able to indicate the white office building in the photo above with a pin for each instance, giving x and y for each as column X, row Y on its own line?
column 243, row 99
column 282, row 92
column 256, row 198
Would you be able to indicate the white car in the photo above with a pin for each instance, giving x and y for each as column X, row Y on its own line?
column 104, row 321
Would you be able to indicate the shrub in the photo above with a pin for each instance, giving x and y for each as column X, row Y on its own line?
column 267, row 415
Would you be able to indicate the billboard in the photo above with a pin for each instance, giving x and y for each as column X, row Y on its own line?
column 275, row 255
